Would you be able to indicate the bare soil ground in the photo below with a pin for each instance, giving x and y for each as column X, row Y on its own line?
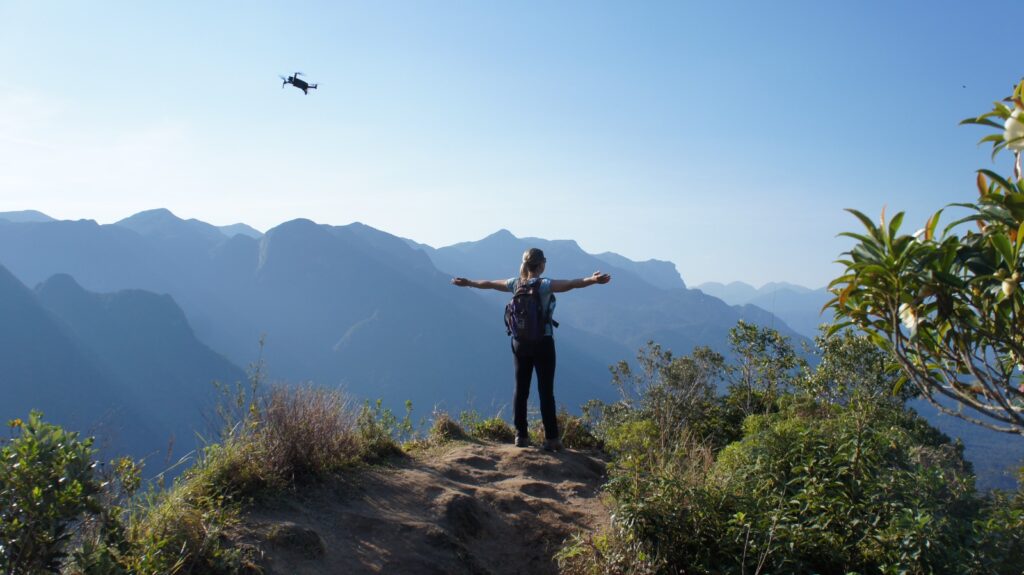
column 465, row 509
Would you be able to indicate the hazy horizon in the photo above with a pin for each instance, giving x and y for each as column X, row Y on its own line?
column 689, row 284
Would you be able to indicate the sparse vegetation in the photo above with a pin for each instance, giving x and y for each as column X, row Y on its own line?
column 574, row 430
column 445, row 429
column 491, row 429
column 380, row 432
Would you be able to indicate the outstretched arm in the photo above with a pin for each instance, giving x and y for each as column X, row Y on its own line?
column 499, row 285
column 559, row 286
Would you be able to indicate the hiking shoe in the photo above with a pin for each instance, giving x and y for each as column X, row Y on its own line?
column 522, row 441
column 553, row 445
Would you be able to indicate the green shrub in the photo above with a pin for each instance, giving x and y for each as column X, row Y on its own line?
column 850, row 483
column 863, row 489
column 806, row 491
column 377, row 428
column 105, row 548
column 662, row 509
column 1000, row 531
column 46, row 485
column 614, row 551
column 576, row 432
column 492, row 429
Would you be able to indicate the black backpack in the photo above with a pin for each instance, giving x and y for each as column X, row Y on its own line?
column 525, row 315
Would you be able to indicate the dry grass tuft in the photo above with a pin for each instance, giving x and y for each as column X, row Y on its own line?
column 446, row 429
column 307, row 432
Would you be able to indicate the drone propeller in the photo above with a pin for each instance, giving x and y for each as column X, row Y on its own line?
column 299, row 74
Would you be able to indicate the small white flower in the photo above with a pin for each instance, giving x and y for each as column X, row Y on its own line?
column 1014, row 130
column 909, row 317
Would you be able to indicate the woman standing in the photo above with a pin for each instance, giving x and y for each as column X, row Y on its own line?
column 539, row 355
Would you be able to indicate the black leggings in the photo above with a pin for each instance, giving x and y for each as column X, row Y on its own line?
column 528, row 357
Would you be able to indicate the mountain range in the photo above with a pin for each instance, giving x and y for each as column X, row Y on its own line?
column 154, row 307
column 356, row 306
column 800, row 307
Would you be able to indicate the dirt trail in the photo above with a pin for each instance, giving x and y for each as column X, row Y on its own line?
column 473, row 509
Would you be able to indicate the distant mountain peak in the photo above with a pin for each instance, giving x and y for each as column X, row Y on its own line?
column 501, row 234
column 163, row 223
column 60, row 281
column 298, row 222
column 296, row 226
column 240, row 229
column 26, row 216
column 160, row 214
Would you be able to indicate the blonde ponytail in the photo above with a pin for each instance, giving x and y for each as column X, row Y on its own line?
column 533, row 258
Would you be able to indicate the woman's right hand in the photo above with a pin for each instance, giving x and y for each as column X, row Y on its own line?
column 461, row 282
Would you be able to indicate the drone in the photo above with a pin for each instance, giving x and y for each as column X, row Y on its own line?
column 297, row 82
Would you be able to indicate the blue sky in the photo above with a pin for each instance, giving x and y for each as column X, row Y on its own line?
column 725, row 136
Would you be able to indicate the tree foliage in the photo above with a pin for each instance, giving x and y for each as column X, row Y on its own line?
column 947, row 304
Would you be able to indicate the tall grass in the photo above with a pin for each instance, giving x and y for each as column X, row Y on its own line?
column 308, row 432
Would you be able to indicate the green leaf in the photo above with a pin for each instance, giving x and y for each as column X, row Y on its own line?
column 1002, row 245
column 894, row 225
column 867, row 252
column 950, row 279
column 996, row 148
column 832, row 329
column 845, row 278
column 859, row 237
column 981, row 121
column 1014, row 203
column 991, row 138
column 870, row 225
column 964, row 220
